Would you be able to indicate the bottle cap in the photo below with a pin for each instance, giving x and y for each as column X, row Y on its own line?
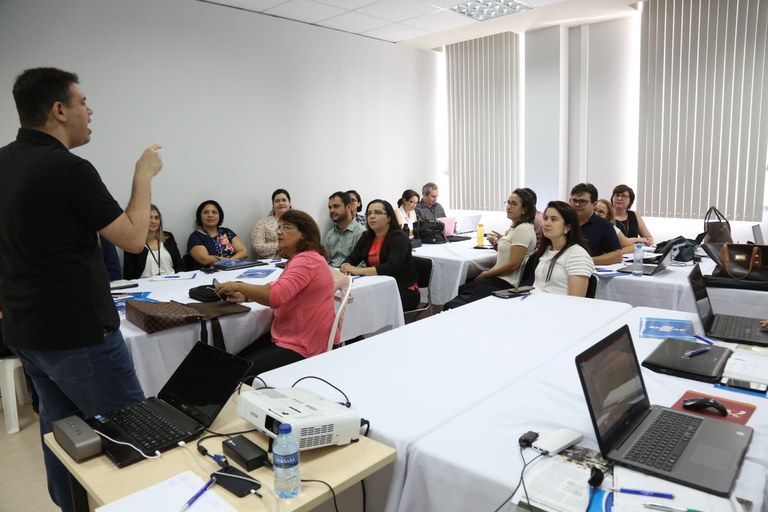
column 284, row 428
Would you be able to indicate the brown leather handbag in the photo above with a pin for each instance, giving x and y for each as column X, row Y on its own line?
column 717, row 229
column 158, row 316
column 744, row 261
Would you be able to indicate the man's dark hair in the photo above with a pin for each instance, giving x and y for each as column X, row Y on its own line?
column 341, row 195
column 586, row 187
column 37, row 89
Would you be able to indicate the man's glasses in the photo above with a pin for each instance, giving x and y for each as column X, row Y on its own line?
column 579, row 202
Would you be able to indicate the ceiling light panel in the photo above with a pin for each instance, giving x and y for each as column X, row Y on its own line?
column 482, row 10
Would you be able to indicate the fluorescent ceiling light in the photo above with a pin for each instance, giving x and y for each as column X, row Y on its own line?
column 490, row 9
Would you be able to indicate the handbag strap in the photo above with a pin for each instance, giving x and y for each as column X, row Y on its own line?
column 719, row 217
column 218, row 337
column 755, row 258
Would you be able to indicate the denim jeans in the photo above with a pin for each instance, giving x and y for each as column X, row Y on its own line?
column 84, row 381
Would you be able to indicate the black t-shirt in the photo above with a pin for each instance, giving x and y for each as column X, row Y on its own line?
column 53, row 282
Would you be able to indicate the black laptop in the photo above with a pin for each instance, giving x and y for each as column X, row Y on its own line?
column 737, row 329
column 661, row 266
column 688, row 449
column 184, row 408
column 236, row 264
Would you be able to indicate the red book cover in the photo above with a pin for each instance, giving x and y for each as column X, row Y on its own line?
column 738, row 412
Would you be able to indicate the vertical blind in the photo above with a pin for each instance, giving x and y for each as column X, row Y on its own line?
column 703, row 108
column 483, row 130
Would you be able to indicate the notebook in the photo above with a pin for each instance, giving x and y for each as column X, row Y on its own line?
column 236, row 264
column 670, row 358
column 469, row 223
column 186, row 406
column 661, row 266
column 738, row 329
column 704, row 454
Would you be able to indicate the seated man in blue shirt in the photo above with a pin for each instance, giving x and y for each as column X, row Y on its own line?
column 428, row 208
column 603, row 244
column 346, row 231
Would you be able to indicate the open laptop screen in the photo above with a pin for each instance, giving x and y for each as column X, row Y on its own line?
column 700, row 296
column 613, row 387
column 203, row 383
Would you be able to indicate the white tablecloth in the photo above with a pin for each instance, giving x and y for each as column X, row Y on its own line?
column 413, row 380
column 375, row 307
column 472, row 462
column 670, row 290
column 454, row 263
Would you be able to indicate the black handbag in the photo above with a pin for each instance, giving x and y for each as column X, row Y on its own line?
column 429, row 231
column 686, row 248
column 204, row 293
column 717, row 230
column 743, row 262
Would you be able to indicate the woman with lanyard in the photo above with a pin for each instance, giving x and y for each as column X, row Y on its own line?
column 160, row 255
column 211, row 242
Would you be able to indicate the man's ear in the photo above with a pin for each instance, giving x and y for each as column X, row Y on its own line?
column 58, row 112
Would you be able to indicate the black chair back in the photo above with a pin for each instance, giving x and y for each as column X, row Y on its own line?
column 592, row 287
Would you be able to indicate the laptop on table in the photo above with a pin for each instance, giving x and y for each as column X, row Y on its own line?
column 661, row 266
column 737, row 329
column 469, row 224
column 184, row 408
column 692, row 450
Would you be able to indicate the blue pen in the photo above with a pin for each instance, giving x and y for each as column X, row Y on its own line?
column 696, row 352
column 199, row 493
column 525, row 297
column 171, row 277
column 702, row 339
column 641, row 492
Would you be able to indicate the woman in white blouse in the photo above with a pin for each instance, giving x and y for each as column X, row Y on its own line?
column 406, row 209
column 564, row 265
column 160, row 255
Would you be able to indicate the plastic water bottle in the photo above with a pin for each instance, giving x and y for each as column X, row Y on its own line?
column 285, row 456
column 480, row 234
column 637, row 260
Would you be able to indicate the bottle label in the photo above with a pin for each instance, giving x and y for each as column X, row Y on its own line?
column 286, row 461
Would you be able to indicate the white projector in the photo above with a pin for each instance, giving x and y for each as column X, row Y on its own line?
column 315, row 421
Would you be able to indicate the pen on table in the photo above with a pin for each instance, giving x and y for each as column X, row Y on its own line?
column 199, row 493
column 525, row 296
column 641, row 492
column 693, row 353
column 667, row 508
column 702, row 339
column 171, row 277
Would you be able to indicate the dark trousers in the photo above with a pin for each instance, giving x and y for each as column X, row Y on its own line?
column 476, row 290
column 265, row 355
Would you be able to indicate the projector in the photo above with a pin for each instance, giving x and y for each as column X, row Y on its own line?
column 315, row 421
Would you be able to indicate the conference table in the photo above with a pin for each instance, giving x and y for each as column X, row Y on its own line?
column 98, row 481
column 670, row 290
column 413, row 380
column 453, row 264
column 375, row 307
column 473, row 461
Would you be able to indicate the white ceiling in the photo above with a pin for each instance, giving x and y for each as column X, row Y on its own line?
column 428, row 23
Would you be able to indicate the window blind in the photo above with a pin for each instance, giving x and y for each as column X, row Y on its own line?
column 483, row 130
column 703, row 108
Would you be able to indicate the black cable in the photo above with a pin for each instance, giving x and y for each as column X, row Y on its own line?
column 362, row 485
column 335, row 505
column 525, row 465
column 367, row 425
column 347, row 404
column 525, row 490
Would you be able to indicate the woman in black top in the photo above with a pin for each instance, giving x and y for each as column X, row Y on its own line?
column 386, row 250
column 160, row 255
column 629, row 222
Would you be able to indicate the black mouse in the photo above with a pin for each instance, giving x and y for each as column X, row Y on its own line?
column 697, row 404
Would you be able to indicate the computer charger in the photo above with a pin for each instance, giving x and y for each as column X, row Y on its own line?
column 243, row 451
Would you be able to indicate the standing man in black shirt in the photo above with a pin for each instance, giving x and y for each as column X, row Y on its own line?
column 59, row 316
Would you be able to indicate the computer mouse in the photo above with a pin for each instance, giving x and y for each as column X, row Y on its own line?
column 698, row 404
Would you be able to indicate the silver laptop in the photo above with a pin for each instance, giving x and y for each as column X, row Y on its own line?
column 738, row 329
column 651, row 270
column 757, row 233
column 468, row 224
column 703, row 453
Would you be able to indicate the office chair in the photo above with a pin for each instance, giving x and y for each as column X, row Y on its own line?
column 424, row 268
column 13, row 386
column 342, row 290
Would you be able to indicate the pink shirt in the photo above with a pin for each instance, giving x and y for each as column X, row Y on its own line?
column 302, row 300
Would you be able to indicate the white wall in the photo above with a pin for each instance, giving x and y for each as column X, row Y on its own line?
column 242, row 103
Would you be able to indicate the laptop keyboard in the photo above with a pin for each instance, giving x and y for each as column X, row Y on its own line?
column 145, row 426
column 664, row 441
column 734, row 326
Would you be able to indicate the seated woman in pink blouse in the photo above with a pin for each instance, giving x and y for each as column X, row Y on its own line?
column 302, row 298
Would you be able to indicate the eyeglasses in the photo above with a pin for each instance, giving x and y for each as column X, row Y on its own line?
column 511, row 203
column 285, row 227
column 375, row 212
column 621, row 196
column 579, row 202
